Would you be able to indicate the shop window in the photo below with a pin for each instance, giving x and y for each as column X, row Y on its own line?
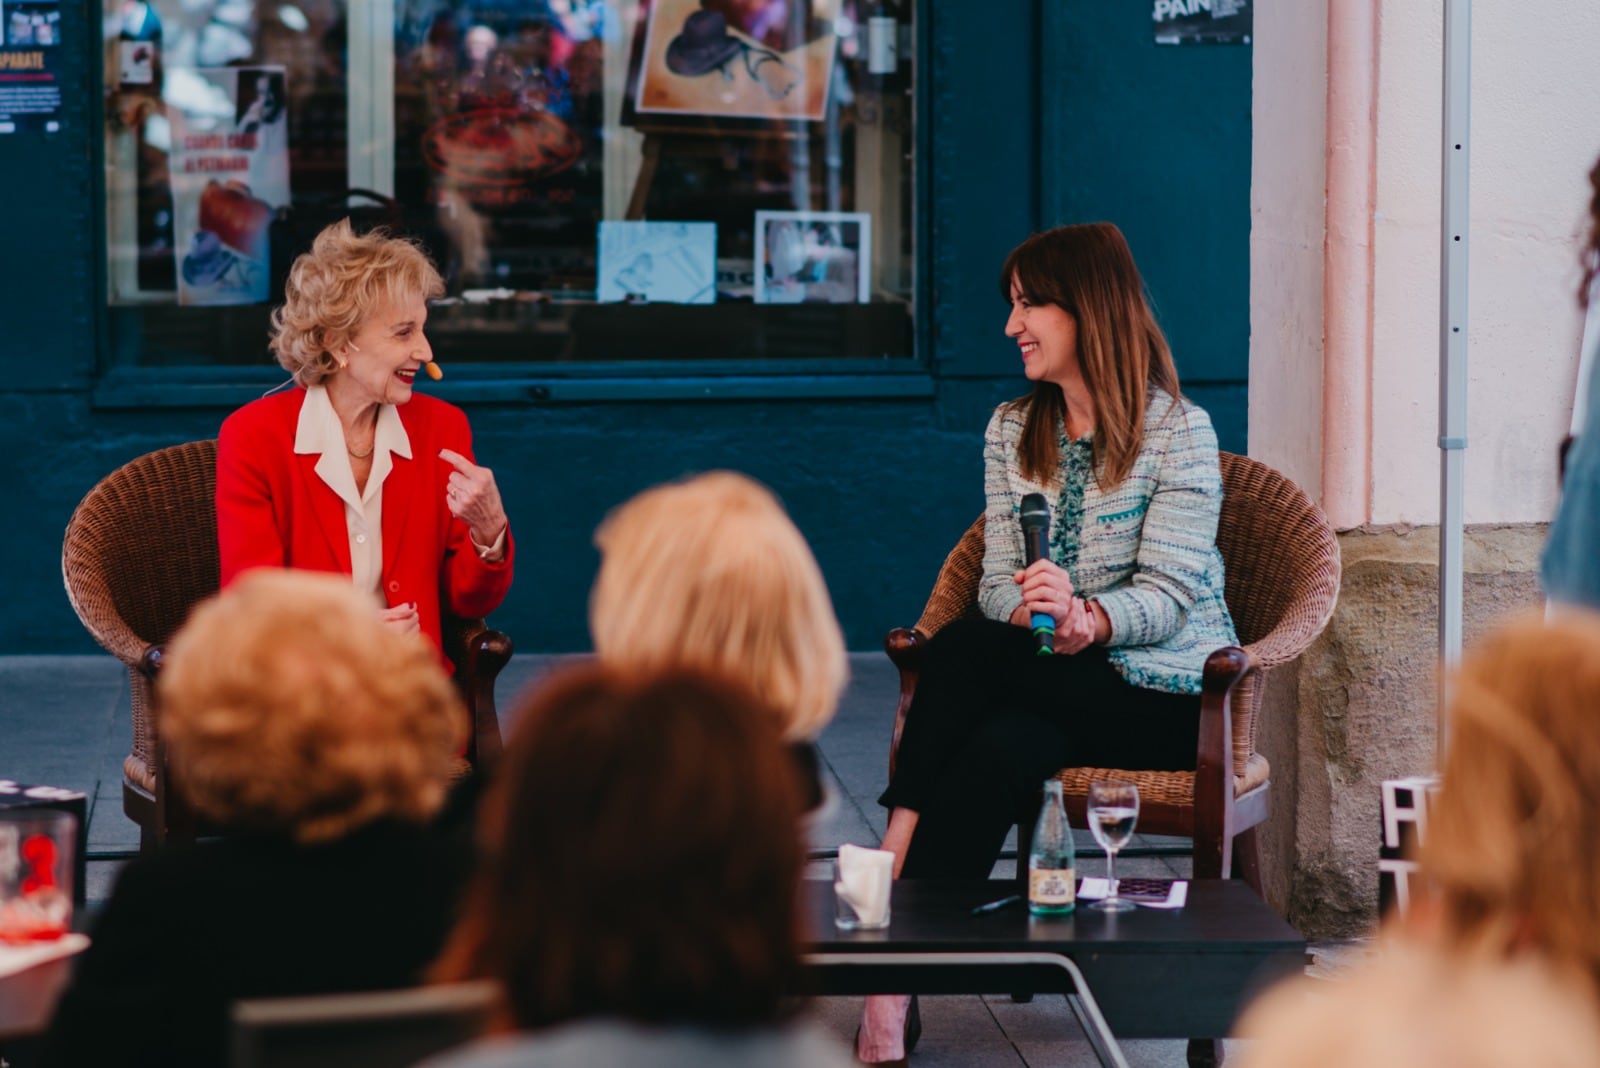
column 684, row 180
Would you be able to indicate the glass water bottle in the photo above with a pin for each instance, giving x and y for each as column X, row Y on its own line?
column 1052, row 878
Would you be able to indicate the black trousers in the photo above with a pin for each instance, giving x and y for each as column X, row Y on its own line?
column 991, row 720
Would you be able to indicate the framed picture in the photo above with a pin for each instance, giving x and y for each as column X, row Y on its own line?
column 813, row 257
column 734, row 59
column 671, row 262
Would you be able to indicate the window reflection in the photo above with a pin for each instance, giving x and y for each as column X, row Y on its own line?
column 517, row 128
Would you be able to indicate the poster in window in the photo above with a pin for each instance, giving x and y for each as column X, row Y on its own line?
column 30, row 65
column 737, row 59
column 230, row 175
column 666, row 262
column 1201, row 21
column 812, row 257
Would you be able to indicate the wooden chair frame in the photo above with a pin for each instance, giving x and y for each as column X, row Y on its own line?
column 139, row 552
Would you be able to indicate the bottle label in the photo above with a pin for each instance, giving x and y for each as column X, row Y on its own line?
column 1052, row 886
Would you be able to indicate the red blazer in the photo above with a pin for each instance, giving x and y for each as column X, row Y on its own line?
column 273, row 510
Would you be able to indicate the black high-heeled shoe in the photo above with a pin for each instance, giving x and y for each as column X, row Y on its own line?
column 908, row 1043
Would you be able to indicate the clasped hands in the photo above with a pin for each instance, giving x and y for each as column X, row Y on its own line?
column 1047, row 590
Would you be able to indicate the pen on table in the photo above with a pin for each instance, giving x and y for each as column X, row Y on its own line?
column 996, row 906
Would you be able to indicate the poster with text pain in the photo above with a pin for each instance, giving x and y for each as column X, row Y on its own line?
column 230, row 175
column 1189, row 22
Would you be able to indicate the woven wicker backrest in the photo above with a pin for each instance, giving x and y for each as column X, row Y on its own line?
column 1280, row 554
column 141, row 548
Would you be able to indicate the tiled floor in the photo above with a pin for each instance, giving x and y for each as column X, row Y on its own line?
column 64, row 721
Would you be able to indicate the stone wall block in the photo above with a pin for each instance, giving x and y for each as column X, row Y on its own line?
column 1360, row 707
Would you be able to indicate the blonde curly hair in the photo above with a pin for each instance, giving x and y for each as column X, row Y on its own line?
column 333, row 288
column 710, row 573
column 288, row 708
column 1510, row 850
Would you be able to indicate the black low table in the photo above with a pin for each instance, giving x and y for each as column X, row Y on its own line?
column 1182, row 973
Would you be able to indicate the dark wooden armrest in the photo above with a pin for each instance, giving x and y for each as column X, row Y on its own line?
column 479, row 654
column 1214, row 772
column 175, row 820
column 904, row 646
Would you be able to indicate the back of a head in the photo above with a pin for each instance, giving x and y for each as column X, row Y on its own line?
column 288, row 709
column 1410, row 1007
column 642, row 857
column 711, row 573
column 1498, row 965
column 1511, row 841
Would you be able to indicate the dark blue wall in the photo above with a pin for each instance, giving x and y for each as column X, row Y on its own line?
column 882, row 486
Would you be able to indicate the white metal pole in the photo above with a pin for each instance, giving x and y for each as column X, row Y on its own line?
column 1453, row 237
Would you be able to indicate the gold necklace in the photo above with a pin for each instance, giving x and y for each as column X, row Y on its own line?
column 361, row 455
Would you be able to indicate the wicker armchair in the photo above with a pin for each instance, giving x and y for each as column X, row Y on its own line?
column 1282, row 563
column 140, row 551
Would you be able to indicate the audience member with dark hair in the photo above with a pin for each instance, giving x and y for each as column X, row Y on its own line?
column 637, row 901
column 321, row 742
column 1499, row 961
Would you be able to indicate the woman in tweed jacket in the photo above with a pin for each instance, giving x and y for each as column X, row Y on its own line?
column 1133, row 579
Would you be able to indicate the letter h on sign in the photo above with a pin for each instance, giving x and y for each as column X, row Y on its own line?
column 1405, row 824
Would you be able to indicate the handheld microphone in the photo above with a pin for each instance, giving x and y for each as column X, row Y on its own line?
column 1036, row 546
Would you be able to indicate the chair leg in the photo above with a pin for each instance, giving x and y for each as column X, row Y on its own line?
column 1205, row 1053
column 1024, row 847
column 1247, row 860
column 1213, row 852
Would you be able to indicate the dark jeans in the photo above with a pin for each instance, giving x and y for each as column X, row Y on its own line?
column 991, row 721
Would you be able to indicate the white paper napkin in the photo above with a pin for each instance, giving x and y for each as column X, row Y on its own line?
column 864, row 878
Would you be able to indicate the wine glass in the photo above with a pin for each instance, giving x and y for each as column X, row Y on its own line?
column 1113, row 811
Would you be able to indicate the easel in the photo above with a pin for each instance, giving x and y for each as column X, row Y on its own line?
column 687, row 140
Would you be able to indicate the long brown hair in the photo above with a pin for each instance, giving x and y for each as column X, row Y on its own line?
column 643, row 857
column 1087, row 270
column 1591, row 251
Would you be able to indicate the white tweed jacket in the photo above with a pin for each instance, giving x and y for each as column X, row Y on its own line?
column 1146, row 550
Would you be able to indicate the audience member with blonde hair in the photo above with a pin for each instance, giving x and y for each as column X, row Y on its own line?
column 711, row 573
column 320, row 743
column 1498, row 960
column 638, row 899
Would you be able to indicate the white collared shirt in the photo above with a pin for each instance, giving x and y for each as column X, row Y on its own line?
column 319, row 431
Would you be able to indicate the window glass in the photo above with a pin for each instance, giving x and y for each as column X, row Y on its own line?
column 680, row 180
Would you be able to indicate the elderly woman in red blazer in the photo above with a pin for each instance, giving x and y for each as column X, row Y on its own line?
column 352, row 472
